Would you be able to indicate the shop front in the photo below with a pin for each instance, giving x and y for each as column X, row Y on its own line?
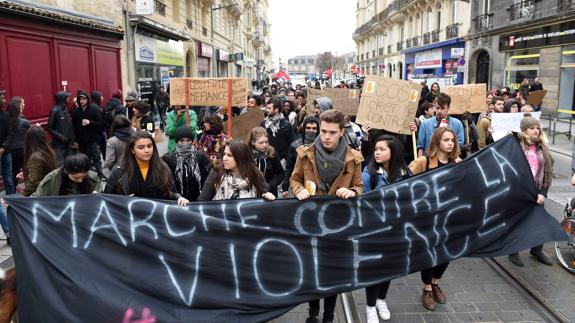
column 238, row 60
column 540, row 53
column 156, row 62
column 442, row 63
column 222, row 62
column 205, row 55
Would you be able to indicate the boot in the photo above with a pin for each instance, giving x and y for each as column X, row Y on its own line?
column 427, row 300
column 542, row 257
column 516, row 260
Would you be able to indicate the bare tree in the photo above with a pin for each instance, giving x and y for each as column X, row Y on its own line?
column 324, row 61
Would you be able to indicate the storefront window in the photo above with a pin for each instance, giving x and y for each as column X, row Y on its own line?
column 520, row 67
column 567, row 83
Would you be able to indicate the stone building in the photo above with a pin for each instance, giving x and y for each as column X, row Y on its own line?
column 51, row 45
column 412, row 39
column 524, row 39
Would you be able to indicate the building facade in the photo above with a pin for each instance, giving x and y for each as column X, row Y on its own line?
column 51, row 45
column 524, row 39
column 412, row 39
column 302, row 65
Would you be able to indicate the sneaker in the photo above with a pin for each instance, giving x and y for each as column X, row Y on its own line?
column 438, row 294
column 382, row 309
column 371, row 314
column 542, row 257
column 427, row 300
column 516, row 260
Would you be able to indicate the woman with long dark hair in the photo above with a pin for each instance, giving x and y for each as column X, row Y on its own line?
column 39, row 159
column 386, row 167
column 142, row 173
column 72, row 178
column 236, row 177
column 17, row 126
column 266, row 159
column 443, row 150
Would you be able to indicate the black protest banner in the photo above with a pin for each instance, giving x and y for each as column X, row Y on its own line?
column 106, row 258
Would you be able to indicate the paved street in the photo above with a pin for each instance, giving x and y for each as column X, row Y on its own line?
column 475, row 290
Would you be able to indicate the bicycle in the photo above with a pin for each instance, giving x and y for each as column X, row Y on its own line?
column 566, row 249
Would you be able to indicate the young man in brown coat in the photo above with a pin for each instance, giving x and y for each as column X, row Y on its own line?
column 327, row 167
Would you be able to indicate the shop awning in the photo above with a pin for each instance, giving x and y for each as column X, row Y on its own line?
column 157, row 28
column 434, row 45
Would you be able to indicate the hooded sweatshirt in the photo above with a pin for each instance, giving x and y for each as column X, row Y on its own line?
column 324, row 104
column 59, row 122
column 89, row 133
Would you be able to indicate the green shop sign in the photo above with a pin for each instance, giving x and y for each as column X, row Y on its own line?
column 170, row 53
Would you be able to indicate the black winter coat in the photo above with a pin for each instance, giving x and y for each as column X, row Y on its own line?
column 91, row 132
column 15, row 136
column 60, row 127
column 283, row 138
column 191, row 187
column 117, row 183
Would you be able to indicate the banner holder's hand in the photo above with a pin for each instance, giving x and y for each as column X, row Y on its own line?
column 269, row 196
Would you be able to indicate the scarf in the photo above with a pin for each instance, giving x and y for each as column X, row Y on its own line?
column 309, row 137
column 329, row 165
column 233, row 188
column 186, row 165
column 273, row 123
column 260, row 158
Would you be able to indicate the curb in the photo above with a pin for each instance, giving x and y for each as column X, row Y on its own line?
column 560, row 152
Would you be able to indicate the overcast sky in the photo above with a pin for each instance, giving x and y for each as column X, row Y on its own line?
column 308, row 27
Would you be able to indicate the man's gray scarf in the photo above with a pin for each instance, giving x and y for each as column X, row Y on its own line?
column 329, row 164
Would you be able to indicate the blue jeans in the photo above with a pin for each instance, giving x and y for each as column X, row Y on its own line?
column 6, row 171
column 4, row 220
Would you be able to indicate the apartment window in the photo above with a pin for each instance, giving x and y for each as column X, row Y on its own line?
column 454, row 11
column 401, row 32
column 429, row 20
column 438, row 20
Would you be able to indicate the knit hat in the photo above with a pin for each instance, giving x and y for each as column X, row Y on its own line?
column 132, row 95
column 117, row 94
column 184, row 132
column 529, row 122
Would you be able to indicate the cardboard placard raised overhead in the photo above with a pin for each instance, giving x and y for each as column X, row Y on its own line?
column 344, row 100
column 536, row 97
column 503, row 123
column 244, row 123
column 468, row 97
column 388, row 104
column 209, row 91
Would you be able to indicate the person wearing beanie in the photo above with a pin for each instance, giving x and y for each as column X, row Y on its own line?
column 131, row 97
column 534, row 145
column 113, row 108
column 60, row 127
column 309, row 131
column 189, row 166
column 87, row 122
column 175, row 119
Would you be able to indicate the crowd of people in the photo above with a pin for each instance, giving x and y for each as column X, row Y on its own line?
column 301, row 149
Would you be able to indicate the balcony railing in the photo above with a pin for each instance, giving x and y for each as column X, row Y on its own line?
column 482, row 22
column 189, row 23
column 435, row 36
column 159, row 7
column 389, row 49
column 408, row 43
column 452, row 31
column 367, row 55
column 403, row 3
column 523, row 9
column 373, row 53
column 566, row 5
column 426, row 38
column 381, row 51
column 399, row 45
column 415, row 41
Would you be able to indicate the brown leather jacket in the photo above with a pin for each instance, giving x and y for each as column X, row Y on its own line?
column 305, row 169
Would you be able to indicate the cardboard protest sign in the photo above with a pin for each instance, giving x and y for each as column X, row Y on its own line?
column 115, row 258
column 468, row 97
column 388, row 104
column 344, row 100
column 244, row 123
column 209, row 91
column 502, row 123
column 536, row 97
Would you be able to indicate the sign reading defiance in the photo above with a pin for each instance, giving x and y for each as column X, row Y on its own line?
column 468, row 97
column 344, row 100
column 388, row 104
column 105, row 258
column 208, row 91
